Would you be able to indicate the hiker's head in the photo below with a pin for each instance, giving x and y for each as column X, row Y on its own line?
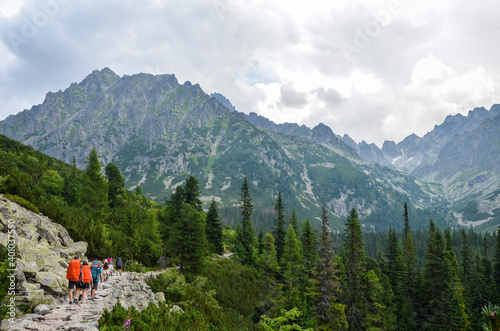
column 77, row 257
column 95, row 263
column 85, row 263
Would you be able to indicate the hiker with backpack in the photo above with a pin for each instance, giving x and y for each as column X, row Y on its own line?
column 119, row 265
column 96, row 272
column 72, row 275
column 85, row 282
column 111, row 265
column 105, row 268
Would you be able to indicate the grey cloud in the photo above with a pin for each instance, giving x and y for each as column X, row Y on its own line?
column 292, row 98
column 330, row 97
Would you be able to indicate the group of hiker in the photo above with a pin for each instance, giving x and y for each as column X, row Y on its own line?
column 82, row 276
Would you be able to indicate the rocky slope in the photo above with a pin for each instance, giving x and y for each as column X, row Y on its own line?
column 44, row 250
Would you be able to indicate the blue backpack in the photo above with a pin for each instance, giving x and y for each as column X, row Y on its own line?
column 96, row 271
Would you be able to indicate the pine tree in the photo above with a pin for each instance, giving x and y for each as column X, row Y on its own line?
column 183, row 228
column 116, row 185
column 411, row 277
column 457, row 312
column 396, row 272
column 444, row 307
column 260, row 242
column 246, row 248
column 268, row 263
column 496, row 266
column 466, row 270
column 294, row 221
column 214, row 228
column 354, row 272
column 190, row 245
column 308, row 239
column 292, row 264
column 192, row 193
column 96, row 188
column 279, row 229
column 330, row 313
column 96, row 198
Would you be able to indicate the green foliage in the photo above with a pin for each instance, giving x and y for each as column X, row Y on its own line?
column 279, row 232
column 286, row 321
column 4, row 281
column 116, row 185
column 78, row 200
column 354, row 283
column 245, row 247
column 22, row 202
column 490, row 317
column 330, row 312
column 214, row 229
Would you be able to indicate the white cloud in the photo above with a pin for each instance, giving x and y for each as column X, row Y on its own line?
column 411, row 63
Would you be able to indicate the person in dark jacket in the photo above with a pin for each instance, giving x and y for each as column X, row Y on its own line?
column 119, row 265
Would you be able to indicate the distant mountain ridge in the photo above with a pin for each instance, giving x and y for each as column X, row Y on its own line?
column 462, row 154
column 158, row 132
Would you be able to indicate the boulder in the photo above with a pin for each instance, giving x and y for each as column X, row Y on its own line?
column 43, row 309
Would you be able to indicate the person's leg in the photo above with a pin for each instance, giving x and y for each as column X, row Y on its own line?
column 94, row 289
column 83, row 292
column 70, row 288
column 75, row 299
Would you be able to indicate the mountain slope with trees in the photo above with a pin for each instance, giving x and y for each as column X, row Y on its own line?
column 158, row 133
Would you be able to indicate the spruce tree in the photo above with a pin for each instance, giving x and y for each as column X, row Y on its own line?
column 96, row 188
column 116, row 185
column 192, row 193
column 411, row 278
column 458, row 318
column 191, row 243
column 293, row 270
column 396, row 273
column 444, row 307
column 268, row 263
column 294, row 221
column 330, row 313
column 354, row 272
column 214, row 228
column 279, row 228
column 96, row 198
column 183, row 227
column 246, row 248
column 496, row 266
column 308, row 239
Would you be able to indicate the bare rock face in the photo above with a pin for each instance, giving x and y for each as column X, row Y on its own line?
column 44, row 249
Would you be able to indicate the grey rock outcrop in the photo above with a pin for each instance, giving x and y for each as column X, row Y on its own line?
column 44, row 249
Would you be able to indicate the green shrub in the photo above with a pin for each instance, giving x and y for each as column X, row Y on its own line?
column 22, row 202
column 134, row 267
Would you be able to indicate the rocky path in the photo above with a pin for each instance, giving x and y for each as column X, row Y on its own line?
column 129, row 288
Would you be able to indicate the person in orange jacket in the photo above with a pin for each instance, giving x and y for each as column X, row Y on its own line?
column 86, row 277
column 72, row 275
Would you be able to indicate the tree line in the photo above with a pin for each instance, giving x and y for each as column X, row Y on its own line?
column 294, row 274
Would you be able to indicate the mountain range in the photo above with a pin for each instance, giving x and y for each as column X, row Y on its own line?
column 158, row 132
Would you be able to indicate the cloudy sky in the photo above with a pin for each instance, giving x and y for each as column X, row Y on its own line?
column 375, row 70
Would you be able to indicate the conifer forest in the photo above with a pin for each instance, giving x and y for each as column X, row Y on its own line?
column 297, row 274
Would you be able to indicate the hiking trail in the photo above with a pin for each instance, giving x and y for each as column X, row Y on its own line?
column 129, row 288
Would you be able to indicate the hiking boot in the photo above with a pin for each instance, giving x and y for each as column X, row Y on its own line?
column 75, row 301
column 71, row 302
